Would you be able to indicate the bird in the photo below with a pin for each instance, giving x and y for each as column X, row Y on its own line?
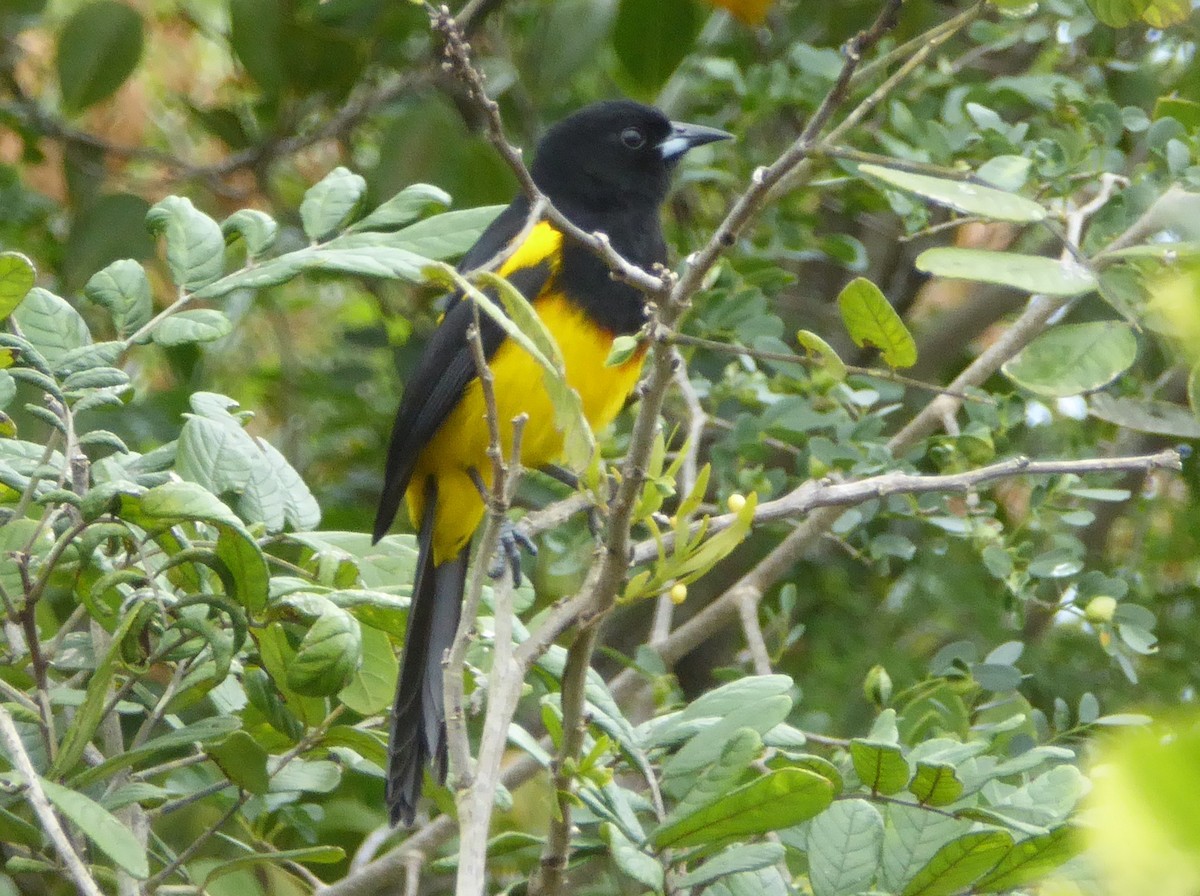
column 606, row 168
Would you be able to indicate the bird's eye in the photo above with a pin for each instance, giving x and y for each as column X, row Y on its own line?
column 633, row 138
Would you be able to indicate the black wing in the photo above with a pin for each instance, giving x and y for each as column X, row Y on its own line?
column 447, row 364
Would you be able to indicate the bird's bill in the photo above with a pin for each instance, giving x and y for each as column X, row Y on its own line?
column 686, row 136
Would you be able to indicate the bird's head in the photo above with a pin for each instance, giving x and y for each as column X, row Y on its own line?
column 614, row 150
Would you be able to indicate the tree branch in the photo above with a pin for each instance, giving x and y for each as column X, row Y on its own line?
column 36, row 797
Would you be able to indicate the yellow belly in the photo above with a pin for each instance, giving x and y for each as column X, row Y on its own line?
column 462, row 440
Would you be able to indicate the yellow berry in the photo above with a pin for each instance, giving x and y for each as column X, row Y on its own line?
column 1101, row 609
column 678, row 593
column 735, row 502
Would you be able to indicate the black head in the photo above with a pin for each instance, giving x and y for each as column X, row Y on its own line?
column 614, row 152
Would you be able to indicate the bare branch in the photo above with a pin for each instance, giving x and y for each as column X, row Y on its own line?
column 817, row 494
column 548, row 878
column 36, row 797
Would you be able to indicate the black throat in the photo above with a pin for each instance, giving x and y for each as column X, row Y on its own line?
column 635, row 232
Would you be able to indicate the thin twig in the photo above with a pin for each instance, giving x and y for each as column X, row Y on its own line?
column 36, row 797
column 548, row 878
column 458, row 57
column 808, row 361
column 816, row 494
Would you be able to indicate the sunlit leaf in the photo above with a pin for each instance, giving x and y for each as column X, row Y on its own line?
column 871, row 320
column 1070, row 359
column 969, row 198
column 1031, row 273
column 844, row 844
column 777, row 800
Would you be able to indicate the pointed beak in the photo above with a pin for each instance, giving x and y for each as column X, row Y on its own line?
column 686, row 136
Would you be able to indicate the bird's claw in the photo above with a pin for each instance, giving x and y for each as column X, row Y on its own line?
column 508, row 552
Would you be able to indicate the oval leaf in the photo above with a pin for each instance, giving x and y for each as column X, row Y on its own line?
column 871, row 320
column 824, row 352
column 935, row 784
column 16, row 279
column 101, row 827
column 960, row 862
column 123, row 289
column 1074, row 358
column 195, row 244
column 844, row 848
column 1031, row 273
column 328, row 204
column 1160, row 417
column 99, row 48
column 880, row 766
column 198, row 325
column 778, row 800
column 969, row 198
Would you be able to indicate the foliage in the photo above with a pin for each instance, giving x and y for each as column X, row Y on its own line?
column 200, row 642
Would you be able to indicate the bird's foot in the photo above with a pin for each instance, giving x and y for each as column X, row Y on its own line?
column 508, row 552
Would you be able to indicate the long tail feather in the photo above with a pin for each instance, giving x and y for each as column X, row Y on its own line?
column 418, row 732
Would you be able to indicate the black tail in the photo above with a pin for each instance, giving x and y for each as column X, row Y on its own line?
column 419, row 714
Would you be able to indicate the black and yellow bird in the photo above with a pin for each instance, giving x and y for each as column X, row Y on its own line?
column 606, row 168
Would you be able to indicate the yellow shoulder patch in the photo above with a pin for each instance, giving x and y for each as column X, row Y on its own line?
column 540, row 245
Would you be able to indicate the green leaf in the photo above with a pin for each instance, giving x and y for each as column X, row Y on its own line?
column 110, row 836
column 1031, row 859
column 98, row 48
column 777, row 800
column 911, row 838
column 736, row 859
column 1030, row 273
column 935, row 784
column 643, row 868
column 329, row 654
column 329, row 204
column 743, row 747
column 446, row 235
column 960, row 862
column 256, row 35
column 622, row 350
column 407, row 205
column 317, row 855
column 91, row 712
column 373, row 685
column 706, row 745
column 871, row 320
column 1155, row 13
column 305, row 776
column 968, row 198
column 1193, row 390
column 258, row 230
column 844, row 848
column 124, row 290
column 718, row 703
column 300, row 508
column 174, row 502
column 822, row 350
column 242, row 760
column 1006, row 172
column 651, row 38
column 1145, row 415
column 195, row 245
column 16, row 830
column 217, row 454
column 197, row 325
column 369, row 745
column 880, row 766
column 1070, row 359
column 202, row 732
column 17, row 277
column 50, row 324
